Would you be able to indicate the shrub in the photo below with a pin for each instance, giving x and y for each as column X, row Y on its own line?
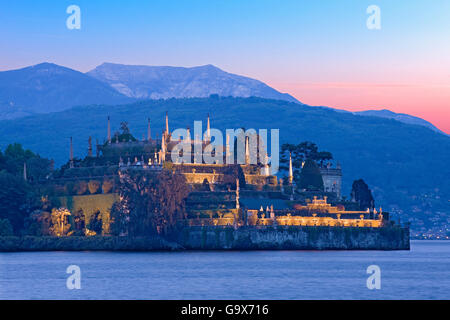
column 6, row 228
column 310, row 177
column 95, row 223
column 205, row 185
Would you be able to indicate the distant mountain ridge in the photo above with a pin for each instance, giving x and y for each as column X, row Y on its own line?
column 402, row 117
column 388, row 114
column 163, row 82
column 47, row 87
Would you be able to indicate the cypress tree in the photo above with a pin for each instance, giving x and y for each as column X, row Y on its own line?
column 362, row 194
column 310, row 177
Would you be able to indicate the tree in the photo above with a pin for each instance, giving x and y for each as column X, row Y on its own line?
column 308, row 149
column 322, row 156
column 232, row 173
column 39, row 223
column 38, row 168
column 14, row 158
column 6, row 228
column 310, row 177
column 205, row 185
column 60, row 222
column 16, row 200
column 300, row 153
column 78, row 223
column 362, row 194
column 150, row 202
column 125, row 135
column 95, row 222
column 124, row 127
column 120, row 218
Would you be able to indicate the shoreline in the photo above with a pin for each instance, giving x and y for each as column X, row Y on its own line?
column 79, row 243
column 224, row 239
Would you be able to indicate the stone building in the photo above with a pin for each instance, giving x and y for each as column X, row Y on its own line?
column 332, row 180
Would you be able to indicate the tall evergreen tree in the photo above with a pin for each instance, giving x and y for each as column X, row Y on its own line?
column 310, row 177
column 300, row 153
column 362, row 194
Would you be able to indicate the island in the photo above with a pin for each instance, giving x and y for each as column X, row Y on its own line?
column 132, row 195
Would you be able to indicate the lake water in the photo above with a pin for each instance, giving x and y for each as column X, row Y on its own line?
column 422, row 273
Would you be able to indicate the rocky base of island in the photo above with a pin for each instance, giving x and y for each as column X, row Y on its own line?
column 226, row 238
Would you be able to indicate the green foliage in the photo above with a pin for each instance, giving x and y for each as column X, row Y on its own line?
column 362, row 195
column 233, row 173
column 39, row 223
column 6, row 228
column 300, row 153
column 153, row 202
column 124, row 136
column 119, row 219
column 205, row 185
column 17, row 200
column 310, row 177
column 95, row 223
column 78, row 222
column 14, row 158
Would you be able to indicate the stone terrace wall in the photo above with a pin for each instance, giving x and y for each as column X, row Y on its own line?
column 295, row 238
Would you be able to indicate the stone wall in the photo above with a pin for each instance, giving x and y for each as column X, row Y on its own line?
column 90, row 204
column 227, row 238
column 332, row 180
column 96, row 243
column 295, row 238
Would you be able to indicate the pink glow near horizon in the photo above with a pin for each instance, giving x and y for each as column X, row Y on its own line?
column 429, row 102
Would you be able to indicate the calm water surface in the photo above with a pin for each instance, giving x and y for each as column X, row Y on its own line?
column 422, row 273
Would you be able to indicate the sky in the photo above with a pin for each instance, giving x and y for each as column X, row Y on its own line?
column 321, row 52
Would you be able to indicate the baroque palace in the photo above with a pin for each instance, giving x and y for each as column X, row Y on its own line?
column 222, row 194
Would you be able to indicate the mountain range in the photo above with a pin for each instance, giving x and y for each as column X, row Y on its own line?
column 154, row 82
column 48, row 87
column 402, row 117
